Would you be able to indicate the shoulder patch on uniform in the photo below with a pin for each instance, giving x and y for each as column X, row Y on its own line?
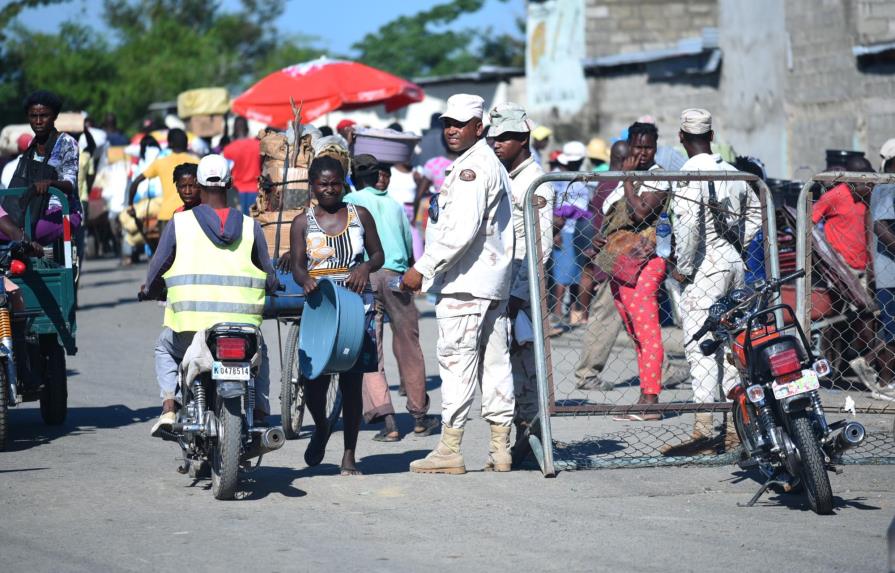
column 467, row 175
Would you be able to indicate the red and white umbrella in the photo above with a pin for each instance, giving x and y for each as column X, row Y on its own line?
column 323, row 85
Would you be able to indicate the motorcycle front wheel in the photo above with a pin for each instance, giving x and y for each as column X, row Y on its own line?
column 225, row 455
column 813, row 472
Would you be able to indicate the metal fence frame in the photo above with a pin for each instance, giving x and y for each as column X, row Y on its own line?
column 804, row 252
column 542, row 445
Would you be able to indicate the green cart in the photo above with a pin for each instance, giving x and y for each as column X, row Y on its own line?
column 35, row 340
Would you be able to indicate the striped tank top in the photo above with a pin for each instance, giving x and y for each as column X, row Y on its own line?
column 334, row 256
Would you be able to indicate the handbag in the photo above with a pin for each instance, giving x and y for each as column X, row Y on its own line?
column 628, row 246
column 28, row 172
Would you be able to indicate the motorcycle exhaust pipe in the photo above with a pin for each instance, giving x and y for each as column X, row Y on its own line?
column 851, row 436
column 269, row 440
column 274, row 438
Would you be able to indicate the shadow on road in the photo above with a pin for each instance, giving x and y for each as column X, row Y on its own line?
column 109, row 304
column 267, row 480
column 795, row 500
column 27, row 430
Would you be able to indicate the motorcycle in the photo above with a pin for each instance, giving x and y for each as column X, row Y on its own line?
column 776, row 405
column 215, row 427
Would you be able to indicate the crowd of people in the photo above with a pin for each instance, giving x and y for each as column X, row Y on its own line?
column 449, row 222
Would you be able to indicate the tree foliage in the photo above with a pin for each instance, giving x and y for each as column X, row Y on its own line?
column 151, row 50
column 426, row 43
column 157, row 49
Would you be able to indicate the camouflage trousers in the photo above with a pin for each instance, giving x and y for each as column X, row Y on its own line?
column 474, row 351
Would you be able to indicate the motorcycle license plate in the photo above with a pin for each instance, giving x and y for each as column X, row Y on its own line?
column 230, row 371
column 806, row 383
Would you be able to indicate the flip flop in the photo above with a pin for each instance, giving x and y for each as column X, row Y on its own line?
column 384, row 436
column 347, row 472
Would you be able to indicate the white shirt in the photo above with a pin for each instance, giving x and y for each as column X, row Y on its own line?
column 882, row 208
column 469, row 249
column 8, row 171
column 694, row 228
column 521, row 179
column 644, row 187
column 402, row 187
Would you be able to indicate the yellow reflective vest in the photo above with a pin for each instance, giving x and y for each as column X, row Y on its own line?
column 209, row 284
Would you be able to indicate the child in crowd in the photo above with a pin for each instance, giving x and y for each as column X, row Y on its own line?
column 187, row 186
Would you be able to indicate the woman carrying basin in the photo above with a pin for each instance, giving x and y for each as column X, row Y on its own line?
column 331, row 241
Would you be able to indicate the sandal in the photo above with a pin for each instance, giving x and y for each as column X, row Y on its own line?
column 386, row 436
column 350, row 472
column 426, row 426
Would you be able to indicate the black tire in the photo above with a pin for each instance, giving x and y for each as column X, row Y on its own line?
column 54, row 396
column 745, row 431
column 292, row 391
column 225, row 454
column 333, row 402
column 813, row 472
column 4, row 405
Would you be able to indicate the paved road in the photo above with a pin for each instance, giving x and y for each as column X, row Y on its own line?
column 101, row 495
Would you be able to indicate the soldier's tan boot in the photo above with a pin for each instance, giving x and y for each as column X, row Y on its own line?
column 731, row 438
column 700, row 442
column 499, row 458
column 444, row 459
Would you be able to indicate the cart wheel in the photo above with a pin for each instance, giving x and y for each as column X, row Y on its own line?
column 54, row 396
column 292, row 395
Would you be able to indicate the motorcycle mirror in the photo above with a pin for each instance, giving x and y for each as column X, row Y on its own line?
column 709, row 347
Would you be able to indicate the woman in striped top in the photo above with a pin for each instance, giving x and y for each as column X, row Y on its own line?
column 331, row 240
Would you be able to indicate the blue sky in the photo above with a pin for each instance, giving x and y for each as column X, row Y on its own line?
column 337, row 23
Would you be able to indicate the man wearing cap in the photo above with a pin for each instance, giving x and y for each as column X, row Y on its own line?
column 707, row 264
column 882, row 213
column 509, row 133
column 371, row 177
column 540, row 139
column 571, row 212
column 598, row 153
column 202, row 256
column 346, row 129
column 467, row 265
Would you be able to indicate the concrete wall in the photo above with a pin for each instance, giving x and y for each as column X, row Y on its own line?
column 752, row 115
column 830, row 103
column 620, row 26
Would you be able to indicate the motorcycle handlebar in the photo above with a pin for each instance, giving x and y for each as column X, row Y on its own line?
column 790, row 277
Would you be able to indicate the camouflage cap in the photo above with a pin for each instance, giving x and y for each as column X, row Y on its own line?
column 508, row 118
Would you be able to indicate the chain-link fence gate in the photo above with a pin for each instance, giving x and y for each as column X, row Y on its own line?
column 846, row 301
column 600, row 346
column 603, row 345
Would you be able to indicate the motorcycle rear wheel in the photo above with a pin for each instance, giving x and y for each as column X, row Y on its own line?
column 225, row 454
column 292, row 392
column 813, row 471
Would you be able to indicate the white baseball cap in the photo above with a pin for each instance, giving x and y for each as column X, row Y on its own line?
column 696, row 121
column 213, row 171
column 463, row 107
column 571, row 152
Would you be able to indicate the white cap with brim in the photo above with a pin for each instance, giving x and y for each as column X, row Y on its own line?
column 696, row 121
column 463, row 107
column 572, row 152
column 887, row 151
column 213, row 171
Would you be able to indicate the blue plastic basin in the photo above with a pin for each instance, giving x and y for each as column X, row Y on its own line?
column 332, row 330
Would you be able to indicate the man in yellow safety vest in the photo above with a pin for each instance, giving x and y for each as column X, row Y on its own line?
column 214, row 262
